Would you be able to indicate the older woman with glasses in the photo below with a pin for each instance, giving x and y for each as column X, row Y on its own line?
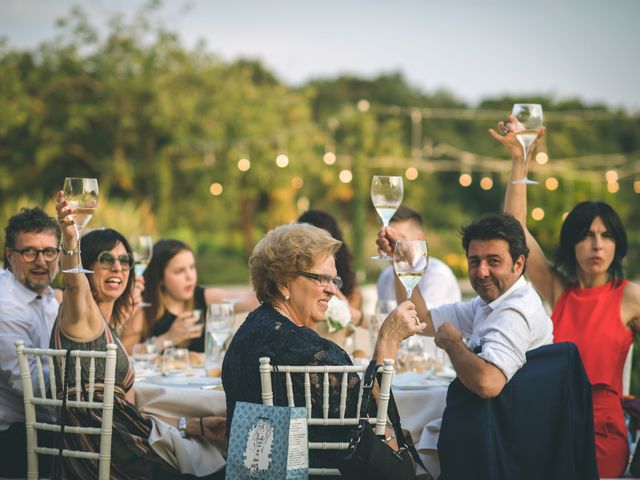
column 93, row 307
column 293, row 273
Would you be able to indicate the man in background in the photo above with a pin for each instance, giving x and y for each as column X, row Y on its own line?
column 28, row 308
column 438, row 285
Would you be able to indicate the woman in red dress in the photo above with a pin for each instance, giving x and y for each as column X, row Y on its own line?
column 593, row 305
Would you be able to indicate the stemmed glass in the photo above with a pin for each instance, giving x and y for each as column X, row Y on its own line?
column 526, row 128
column 142, row 247
column 386, row 195
column 82, row 195
column 410, row 260
column 219, row 326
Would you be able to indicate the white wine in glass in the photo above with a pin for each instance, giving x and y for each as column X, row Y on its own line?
column 386, row 195
column 410, row 261
column 82, row 195
column 142, row 247
column 527, row 127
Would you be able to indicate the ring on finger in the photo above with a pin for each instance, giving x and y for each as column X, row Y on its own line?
column 417, row 320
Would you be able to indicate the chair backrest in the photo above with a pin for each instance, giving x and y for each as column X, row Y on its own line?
column 380, row 420
column 48, row 396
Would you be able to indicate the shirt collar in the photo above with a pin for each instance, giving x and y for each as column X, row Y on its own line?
column 520, row 283
column 24, row 294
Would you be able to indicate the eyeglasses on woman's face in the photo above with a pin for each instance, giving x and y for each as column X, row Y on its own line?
column 108, row 259
column 324, row 279
column 30, row 254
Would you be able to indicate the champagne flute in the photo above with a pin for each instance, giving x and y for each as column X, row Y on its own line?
column 142, row 247
column 82, row 196
column 410, row 260
column 526, row 128
column 219, row 327
column 386, row 195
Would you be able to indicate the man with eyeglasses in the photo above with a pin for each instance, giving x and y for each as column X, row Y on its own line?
column 28, row 308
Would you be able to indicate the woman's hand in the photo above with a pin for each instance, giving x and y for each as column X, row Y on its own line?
column 66, row 221
column 510, row 141
column 184, row 328
column 401, row 323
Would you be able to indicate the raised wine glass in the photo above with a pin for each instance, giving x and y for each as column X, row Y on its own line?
column 526, row 128
column 82, row 196
column 386, row 195
column 142, row 247
column 410, row 260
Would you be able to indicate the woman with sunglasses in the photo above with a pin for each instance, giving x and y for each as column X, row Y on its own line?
column 293, row 272
column 172, row 290
column 94, row 306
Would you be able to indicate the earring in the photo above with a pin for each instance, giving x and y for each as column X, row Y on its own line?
column 286, row 298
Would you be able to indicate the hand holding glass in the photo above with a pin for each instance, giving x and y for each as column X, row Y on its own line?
column 386, row 195
column 82, row 196
column 410, row 261
column 526, row 128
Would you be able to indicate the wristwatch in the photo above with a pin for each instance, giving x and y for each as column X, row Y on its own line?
column 182, row 426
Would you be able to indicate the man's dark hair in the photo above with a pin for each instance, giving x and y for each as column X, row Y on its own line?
column 404, row 214
column 493, row 226
column 29, row 220
column 576, row 227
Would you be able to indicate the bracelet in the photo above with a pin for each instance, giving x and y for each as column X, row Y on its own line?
column 201, row 427
column 66, row 251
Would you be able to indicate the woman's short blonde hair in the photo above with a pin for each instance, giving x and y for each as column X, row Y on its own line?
column 283, row 252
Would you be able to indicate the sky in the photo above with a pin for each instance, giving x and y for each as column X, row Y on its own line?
column 586, row 49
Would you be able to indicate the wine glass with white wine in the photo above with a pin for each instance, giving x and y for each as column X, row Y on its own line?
column 142, row 248
column 526, row 128
column 82, row 195
column 386, row 195
column 410, row 261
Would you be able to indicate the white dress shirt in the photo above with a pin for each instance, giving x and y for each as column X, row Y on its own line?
column 23, row 316
column 506, row 328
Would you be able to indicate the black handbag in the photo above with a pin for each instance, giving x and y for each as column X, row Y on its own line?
column 369, row 455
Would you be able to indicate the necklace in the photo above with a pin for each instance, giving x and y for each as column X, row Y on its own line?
column 285, row 314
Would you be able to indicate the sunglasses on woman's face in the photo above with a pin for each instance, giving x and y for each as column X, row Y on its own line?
column 107, row 260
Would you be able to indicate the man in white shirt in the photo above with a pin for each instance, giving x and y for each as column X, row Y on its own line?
column 28, row 308
column 438, row 284
column 500, row 325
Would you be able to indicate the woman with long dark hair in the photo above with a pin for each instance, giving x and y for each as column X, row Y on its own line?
column 593, row 305
column 172, row 290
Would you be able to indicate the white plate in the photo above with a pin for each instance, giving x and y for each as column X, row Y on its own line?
column 181, row 380
column 417, row 381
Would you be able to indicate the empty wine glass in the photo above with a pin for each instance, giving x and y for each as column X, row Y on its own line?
column 386, row 195
column 410, row 260
column 527, row 127
column 82, row 196
column 219, row 326
column 142, row 247
column 175, row 360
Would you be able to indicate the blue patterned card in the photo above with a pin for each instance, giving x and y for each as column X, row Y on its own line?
column 268, row 443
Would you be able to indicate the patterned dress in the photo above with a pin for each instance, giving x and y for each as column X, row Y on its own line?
column 131, row 455
column 266, row 333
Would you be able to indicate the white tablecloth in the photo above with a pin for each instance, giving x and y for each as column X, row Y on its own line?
column 416, row 407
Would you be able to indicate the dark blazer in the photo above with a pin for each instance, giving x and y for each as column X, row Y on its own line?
column 539, row 427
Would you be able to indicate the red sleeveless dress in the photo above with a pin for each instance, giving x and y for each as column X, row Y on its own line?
column 590, row 317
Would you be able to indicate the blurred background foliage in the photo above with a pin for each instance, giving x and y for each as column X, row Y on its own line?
column 217, row 153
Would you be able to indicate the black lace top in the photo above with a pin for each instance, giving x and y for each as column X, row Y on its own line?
column 266, row 333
